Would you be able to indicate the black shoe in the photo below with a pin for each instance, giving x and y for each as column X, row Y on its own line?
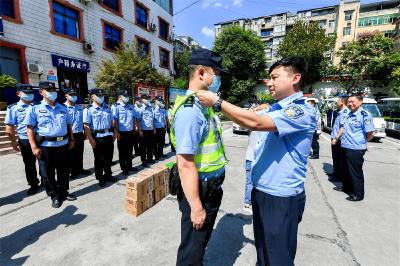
column 56, row 203
column 163, row 156
column 144, row 165
column 314, row 157
column 70, row 197
column 102, row 183
column 340, row 189
column 133, row 169
column 334, row 179
column 330, row 174
column 157, row 158
column 151, row 161
column 125, row 172
column 72, row 177
column 85, row 172
column 354, row 198
column 33, row 190
column 111, row 179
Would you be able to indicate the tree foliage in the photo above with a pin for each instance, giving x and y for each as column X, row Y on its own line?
column 243, row 56
column 7, row 81
column 309, row 40
column 126, row 68
column 181, row 61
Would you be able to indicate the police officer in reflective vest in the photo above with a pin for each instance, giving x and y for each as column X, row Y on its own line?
column 279, row 169
column 76, row 153
column 160, row 123
column 98, row 124
column 357, row 129
column 15, row 116
column 50, row 135
column 197, row 135
column 125, row 117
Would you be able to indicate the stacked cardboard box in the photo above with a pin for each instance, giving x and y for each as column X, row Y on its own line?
column 145, row 189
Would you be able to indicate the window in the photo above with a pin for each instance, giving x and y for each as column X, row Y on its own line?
column 66, row 21
column 322, row 23
column 331, row 23
column 164, row 58
column 266, row 32
column 346, row 31
column 112, row 36
column 143, row 46
column 142, row 15
column 348, row 15
column 166, row 5
column 377, row 20
column 163, row 31
column 277, row 41
column 280, row 28
column 268, row 43
column 113, row 6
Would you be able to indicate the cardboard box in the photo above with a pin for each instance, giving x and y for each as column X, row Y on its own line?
column 149, row 176
column 134, row 207
column 159, row 194
column 149, row 201
column 161, row 172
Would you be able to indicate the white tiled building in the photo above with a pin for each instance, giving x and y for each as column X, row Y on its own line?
column 56, row 39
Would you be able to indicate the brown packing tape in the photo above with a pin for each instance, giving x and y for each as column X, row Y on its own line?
column 148, row 176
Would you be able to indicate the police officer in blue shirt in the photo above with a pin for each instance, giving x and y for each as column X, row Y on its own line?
column 279, row 168
column 357, row 129
column 14, row 118
column 50, row 135
column 125, row 117
column 136, row 137
column 160, row 123
column 315, row 143
column 76, row 153
column 98, row 124
column 147, row 131
column 338, row 156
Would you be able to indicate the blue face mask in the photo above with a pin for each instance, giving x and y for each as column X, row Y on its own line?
column 27, row 96
column 99, row 99
column 73, row 98
column 216, row 84
column 51, row 95
column 125, row 99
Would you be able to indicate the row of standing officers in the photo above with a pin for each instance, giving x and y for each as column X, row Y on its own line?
column 52, row 132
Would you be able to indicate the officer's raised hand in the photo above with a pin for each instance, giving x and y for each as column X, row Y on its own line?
column 207, row 98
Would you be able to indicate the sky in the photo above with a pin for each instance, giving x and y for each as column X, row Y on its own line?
column 198, row 20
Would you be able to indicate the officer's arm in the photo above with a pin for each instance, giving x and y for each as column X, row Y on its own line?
column 32, row 141
column 88, row 132
column 370, row 135
column 10, row 131
column 189, row 180
column 340, row 133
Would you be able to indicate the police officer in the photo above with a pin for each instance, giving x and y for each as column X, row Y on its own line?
column 125, row 116
column 136, row 138
column 14, row 118
column 315, row 143
column 50, row 136
column 160, row 123
column 98, row 124
column 147, row 131
column 76, row 153
column 169, row 115
column 338, row 156
column 279, row 169
column 357, row 128
column 196, row 133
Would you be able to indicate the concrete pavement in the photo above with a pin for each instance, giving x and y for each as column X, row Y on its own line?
column 95, row 230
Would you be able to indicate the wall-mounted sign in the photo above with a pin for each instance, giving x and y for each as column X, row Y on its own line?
column 70, row 63
column 51, row 78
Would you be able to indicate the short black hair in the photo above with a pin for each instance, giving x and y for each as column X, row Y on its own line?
column 298, row 64
column 358, row 95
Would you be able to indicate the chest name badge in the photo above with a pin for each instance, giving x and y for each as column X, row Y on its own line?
column 293, row 112
column 42, row 111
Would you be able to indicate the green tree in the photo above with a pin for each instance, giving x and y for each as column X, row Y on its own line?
column 127, row 67
column 7, row 81
column 243, row 56
column 181, row 61
column 265, row 97
column 370, row 60
column 309, row 40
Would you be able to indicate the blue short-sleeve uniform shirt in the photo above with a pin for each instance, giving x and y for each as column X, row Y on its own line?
column 49, row 121
column 160, row 117
column 280, row 163
column 76, row 114
column 191, row 128
column 126, row 115
column 147, row 118
column 15, row 116
column 98, row 118
column 356, row 127
column 342, row 114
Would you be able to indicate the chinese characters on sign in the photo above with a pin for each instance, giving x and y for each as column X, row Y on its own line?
column 70, row 63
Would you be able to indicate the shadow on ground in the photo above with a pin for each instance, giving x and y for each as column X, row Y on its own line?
column 13, row 244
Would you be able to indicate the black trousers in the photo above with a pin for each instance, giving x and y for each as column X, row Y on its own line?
column 315, row 144
column 146, row 146
column 194, row 242
column 29, row 162
column 76, row 154
column 103, row 155
column 275, row 222
column 52, row 160
column 125, row 148
column 159, row 143
column 355, row 174
column 136, row 143
column 338, row 159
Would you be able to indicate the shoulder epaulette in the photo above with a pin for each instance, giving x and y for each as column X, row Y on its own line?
column 364, row 113
column 37, row 103
column 189, row 102
column 116, row 104
column 11, row 105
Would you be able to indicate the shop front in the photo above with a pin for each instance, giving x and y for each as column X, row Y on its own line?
column 151, row 91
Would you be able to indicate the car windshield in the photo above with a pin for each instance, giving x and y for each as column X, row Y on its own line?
column 372, row 109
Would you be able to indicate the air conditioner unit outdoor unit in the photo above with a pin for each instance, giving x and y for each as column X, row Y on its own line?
column 35, row 68
column 153, row 27
column 88, row 47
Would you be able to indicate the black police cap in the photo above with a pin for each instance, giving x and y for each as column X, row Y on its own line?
column 97, row 91
column 26, row 88
column 70, row 91
column 160, row 99
column 123, row 93
column 205, row 57
column 47, row 85
column 137, row 98
column 145, row 96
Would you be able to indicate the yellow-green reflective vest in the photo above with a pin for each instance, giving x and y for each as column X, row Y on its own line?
column 210, row 155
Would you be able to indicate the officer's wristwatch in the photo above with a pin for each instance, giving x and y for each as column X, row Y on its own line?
column 217, row 105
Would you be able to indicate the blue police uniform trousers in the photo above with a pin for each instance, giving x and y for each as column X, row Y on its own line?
column 136, row 143
column 338, row 159
column 355, row 175
column 146, row 146
column 275, row 223
column 159, row 143
column 125, row 149
column 76, row 154
column 29, row 161
column 315, row 144
column 103, row 155
column 52, row 160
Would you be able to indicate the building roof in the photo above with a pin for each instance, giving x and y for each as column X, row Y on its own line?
column 231, row 21
column 318, row 8
column 384, row 4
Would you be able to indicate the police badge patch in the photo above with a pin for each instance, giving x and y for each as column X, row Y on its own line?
column 293, row 112
column 367, row 121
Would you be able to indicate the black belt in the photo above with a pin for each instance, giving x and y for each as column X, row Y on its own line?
column 208, row 187
column 43, row 138
column 102, row 131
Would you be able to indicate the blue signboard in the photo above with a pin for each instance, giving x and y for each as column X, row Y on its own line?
column 70, row 63
column 173, row 92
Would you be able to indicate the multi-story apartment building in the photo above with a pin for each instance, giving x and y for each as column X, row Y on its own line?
column 347, row 19
column 182, row 43
column 65, row 40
